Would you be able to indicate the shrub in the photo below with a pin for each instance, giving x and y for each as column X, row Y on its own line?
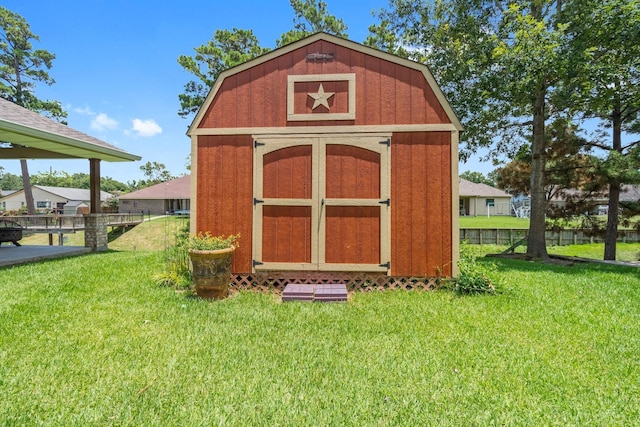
column 473, row 277
column 177, row 273
column 207, row 242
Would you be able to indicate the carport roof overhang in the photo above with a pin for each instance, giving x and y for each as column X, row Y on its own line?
column 36, row 137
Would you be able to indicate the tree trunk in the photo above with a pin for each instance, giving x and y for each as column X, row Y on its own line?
column 26, row 184
column 536, row 243
column 611, row 234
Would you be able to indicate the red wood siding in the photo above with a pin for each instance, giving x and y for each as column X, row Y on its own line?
column 287, row 173
column 386, row 93
column 352, row 173
column 421, row 216
column 353, row 235
column 286, row 234
column 225, row 191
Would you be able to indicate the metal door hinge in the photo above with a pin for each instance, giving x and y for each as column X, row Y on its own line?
column 385, row 202
column 256, row 201
column 254, row 262
column 257, row 144
column 386, row 265
column 387, row 142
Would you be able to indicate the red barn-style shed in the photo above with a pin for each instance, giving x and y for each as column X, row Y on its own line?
column 328, row 157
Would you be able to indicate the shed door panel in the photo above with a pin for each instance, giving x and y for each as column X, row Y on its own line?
column 352, row 179
column 352, row 235
column 286, row 235
column 352, row 173
column 287, row 173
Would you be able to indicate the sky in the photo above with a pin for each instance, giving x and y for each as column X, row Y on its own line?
column 117, row 74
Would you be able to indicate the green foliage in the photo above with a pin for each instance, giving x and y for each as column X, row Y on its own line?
column 77, row 180
column 21, row 66
column 207, row 242
column 155, row 173
column 311, row 17
column 473, row 278
column 477, row 177
column 9, row 181
column 228, row 48
column 177, row 273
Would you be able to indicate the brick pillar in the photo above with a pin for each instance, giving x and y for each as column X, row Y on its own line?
column 95, row 232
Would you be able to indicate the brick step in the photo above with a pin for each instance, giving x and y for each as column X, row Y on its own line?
column 332, row 292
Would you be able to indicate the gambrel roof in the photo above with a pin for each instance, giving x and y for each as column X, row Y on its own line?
column 280, row 52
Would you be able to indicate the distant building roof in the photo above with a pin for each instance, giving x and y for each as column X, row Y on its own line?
column 75, row 203
column 179, row 188
column 630, row 193
column 72, row 193
column 472, row 189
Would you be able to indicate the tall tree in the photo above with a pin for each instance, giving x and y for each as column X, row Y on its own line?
column 229, row 48
column 21, row 67
column 498, row 66
column 605, row 78
column 226, row 49
column 311, row 17
column 477, row 177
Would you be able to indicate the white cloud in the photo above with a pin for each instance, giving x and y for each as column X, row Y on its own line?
column 102, row 122
column 146, row 128
column 85, row 110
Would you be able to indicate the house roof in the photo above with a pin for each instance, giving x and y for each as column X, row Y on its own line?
column 179, row 188
column 472, row 189
column 39, row 137
column 79, row 194
column 331, row 39
column 630, row 193
column 75, row 203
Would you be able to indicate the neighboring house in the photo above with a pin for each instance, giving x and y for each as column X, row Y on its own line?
column 600, row 201
column 53, row 199
column 171, row 197
column 328, row 156
column 483, row 200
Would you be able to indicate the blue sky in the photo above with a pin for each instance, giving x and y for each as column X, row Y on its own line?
column 116, row 71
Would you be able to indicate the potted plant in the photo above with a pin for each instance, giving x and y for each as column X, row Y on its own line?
column 211, row 258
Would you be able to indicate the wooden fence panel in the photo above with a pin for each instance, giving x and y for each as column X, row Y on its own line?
column 508, row 236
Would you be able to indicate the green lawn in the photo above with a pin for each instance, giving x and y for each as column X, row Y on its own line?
column 92, row 341
column 624, row 251
column 157, row 234
column 493, row 222
column 513, row 222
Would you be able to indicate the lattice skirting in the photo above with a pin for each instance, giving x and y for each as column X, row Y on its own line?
column 269, row 281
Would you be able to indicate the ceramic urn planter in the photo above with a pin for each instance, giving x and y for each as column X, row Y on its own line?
column 211, row 272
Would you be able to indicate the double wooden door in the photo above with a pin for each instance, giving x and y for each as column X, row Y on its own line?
column 322, row 203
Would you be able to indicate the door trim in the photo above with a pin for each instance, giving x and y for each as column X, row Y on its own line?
column 371, row 142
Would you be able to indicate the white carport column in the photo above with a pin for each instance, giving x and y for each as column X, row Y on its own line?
column 95, row 223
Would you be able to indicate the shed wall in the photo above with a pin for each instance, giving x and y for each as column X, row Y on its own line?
column 225, row 191
column 421, row 216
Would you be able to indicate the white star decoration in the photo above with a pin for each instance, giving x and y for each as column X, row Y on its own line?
column 321, row 97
